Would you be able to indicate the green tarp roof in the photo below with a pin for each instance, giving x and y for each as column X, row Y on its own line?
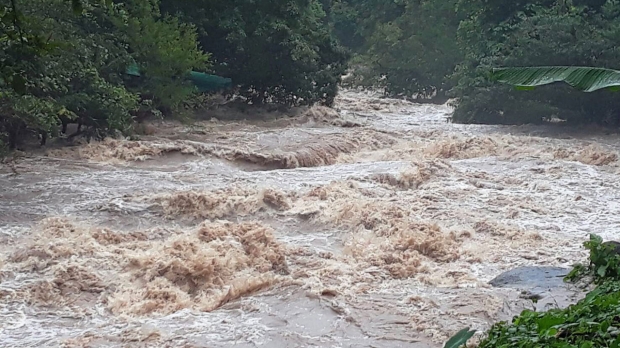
column 204, row 82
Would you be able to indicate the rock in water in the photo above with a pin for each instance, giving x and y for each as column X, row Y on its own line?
column 544, row 285
column 531, row 278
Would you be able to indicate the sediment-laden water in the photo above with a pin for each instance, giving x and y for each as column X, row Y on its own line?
column 377, row 224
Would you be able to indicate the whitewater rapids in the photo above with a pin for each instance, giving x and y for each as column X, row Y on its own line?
column 373, row 224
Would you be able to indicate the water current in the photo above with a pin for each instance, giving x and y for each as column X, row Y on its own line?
column 374, row 224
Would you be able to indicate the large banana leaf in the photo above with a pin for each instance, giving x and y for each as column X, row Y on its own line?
column 460, row 339
column 582, row 78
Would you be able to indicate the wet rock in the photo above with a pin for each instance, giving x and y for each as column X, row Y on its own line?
column 545, row 286
column 531, row 278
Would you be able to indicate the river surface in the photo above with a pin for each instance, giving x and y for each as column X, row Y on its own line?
column 374, row 224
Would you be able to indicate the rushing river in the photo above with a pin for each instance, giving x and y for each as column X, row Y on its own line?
column 377, row 224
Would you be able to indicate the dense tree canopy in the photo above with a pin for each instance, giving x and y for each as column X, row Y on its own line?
column 418, row 47
column 273, row 50
column 59, row 64
column 536, row 33
column 66, row 60
column 409, row 47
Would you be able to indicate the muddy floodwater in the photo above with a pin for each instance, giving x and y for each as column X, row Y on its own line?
column 374, row 224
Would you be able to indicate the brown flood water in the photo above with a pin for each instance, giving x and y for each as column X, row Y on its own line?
column 376, row 225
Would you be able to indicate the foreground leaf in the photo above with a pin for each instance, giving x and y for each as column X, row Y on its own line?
column 586, row 79
column 460, row 338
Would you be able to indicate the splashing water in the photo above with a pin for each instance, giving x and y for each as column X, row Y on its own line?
column 376, row 224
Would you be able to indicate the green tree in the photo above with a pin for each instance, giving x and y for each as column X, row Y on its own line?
column 274, row 50
column 165, row 49
column 408, row 47
column 535, row 34
column 59, row 65
column 355, row 21
column 417, row 52
column 22, row 50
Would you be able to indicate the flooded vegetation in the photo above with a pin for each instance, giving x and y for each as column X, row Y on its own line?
column 373, row 224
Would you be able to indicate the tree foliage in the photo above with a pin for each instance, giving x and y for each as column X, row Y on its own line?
column 408, row 47
column 417, row 52
column 419, row 47
column 535, row 33
column 65, row 60
column 273, row 50
column 166, row 49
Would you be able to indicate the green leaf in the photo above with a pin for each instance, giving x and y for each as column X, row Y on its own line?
column 586, row 79
column 460, row 338
column 551, row 332
column 77, row 6
column 18, row 83
column 596, row 238
column 547, row 322
column 605, row 326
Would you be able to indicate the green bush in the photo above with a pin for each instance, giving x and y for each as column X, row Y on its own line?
column 592, row 322
column 604, row 262
column 502, row 33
